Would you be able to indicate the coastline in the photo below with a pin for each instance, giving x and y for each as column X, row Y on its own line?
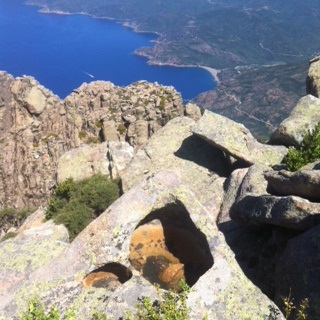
column 131, row 25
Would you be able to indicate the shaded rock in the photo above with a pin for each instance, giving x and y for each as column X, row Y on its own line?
column 289, row 212
column 232, row 186
column 303, row 183
column 220, row 289
column 304, row 116
column 28, row 251
column 236, row 140
column 202, row 167
column 313, row 78
column 298, row 273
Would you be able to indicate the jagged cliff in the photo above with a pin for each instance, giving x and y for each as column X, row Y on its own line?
column 36, row 128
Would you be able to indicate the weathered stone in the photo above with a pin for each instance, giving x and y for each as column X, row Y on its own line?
column 110, row 131
column 298, row 273
column 304, row 117
column 202, row 167
column 236, row 140
column 83, row 162
column 120, row 155
column 303, row 183
column 219, row 286
column 313, row 78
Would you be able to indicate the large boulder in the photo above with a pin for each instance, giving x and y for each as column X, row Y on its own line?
column 114, row 260
column 202, row 167
column 303, row 183
column 304, row 117
column 236, row 140
column 313, row 78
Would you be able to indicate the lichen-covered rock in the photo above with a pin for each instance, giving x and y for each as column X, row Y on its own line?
column 303, row 183
column 298, row 272
column 220, row 289
column 28, row 251
column 202, row 167
column 313, row 78
column 83, row 162
column 236, row 140
column 304, row 117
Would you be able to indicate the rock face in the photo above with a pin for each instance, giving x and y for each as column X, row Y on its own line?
column 304, row 117
column 313, row 78
column 116, row 243
column 36, row 128
column 236, row 140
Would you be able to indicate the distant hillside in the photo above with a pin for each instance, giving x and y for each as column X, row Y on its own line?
column 261, row 98
column 220, row 34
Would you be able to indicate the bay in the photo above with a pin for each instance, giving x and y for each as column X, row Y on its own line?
column 63, row 51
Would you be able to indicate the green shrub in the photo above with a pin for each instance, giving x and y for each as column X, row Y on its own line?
column 121, row 128
column 76, row 204
column 82, row 134
column 169, row 306
column 36, row 311
column 7, row 236
column 308, row 151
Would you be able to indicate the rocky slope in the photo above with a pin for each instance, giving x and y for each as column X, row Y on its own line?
column 36, row 128
column 204, row 201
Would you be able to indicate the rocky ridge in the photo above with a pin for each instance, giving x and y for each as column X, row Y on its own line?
column 36, row 128
column 225, row 217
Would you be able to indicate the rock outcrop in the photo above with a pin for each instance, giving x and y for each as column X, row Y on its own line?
column 149, row 244
column 313, row 78
column 236, row 140
column 304, row 117
column 36, row 128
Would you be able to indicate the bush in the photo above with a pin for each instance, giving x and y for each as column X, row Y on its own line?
column 308, row 151
column 7, row 236
column 76, row 204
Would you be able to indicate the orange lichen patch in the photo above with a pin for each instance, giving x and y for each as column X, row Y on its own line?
column 166, row 254
column 109, row 276
column 101, row 279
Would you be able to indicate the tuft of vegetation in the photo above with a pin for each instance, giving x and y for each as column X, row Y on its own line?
column 93, row 140
column 308, row 151
column 7, row 236
column 292, row 312
column 169, row 306
column 121, row 128
column 82, row 134
column 76, row 204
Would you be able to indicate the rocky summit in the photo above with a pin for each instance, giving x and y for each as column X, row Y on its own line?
column 203, row 201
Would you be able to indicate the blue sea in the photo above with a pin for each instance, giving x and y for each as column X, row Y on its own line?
column 63, row 51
